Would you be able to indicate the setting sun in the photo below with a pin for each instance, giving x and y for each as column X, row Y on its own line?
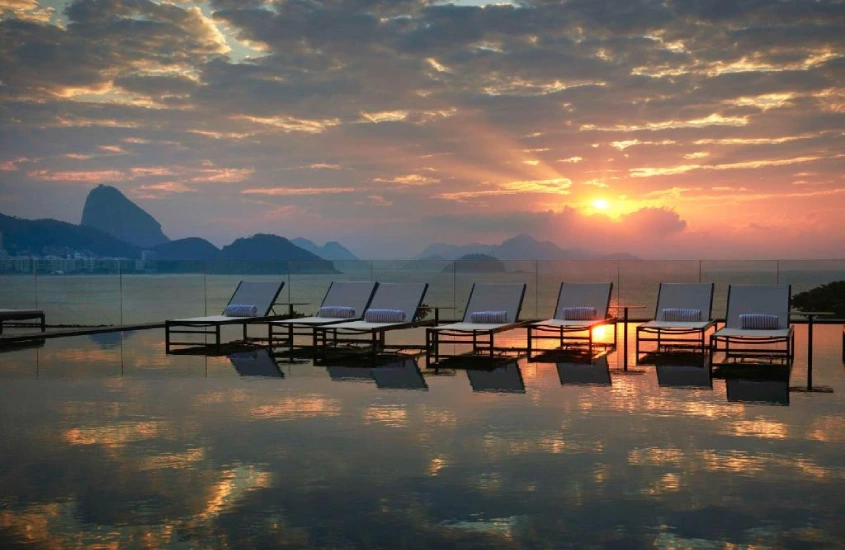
column 600, row 204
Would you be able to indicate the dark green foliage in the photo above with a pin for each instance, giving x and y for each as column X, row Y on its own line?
column 827, row 297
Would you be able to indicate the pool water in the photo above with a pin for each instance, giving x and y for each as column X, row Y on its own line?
column 105, row 441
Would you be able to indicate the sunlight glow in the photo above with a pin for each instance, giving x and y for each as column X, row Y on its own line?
column 600, row 204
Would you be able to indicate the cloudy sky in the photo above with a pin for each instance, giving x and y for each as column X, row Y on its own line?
column 669, row 128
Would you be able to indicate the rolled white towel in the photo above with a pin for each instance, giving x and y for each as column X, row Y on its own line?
column 240, row 310
column 384, row 316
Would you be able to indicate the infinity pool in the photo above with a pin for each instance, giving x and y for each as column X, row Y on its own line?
column 108, row 442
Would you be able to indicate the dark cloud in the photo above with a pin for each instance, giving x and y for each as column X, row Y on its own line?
column 647, row 103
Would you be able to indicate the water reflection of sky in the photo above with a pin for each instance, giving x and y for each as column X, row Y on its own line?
column 113, row 442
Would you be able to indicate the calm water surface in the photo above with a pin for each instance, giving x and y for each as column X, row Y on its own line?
column 105, row 441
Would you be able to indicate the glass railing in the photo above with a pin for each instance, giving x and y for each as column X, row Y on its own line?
column 124, row 292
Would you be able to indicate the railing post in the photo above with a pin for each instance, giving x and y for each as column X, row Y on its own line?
column 205, row 288
column 35, row 279
column 537, row 289
column 120, row 290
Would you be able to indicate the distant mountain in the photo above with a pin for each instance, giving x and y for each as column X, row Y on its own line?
column 190, row 249
column 276, row 252
column 40, row 237
column 443, row 251
column 521, row 247
column 332, row 250
column 108, row 210
column 478, row 263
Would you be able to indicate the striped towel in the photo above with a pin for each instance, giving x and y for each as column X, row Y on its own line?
column 384, row 316
column 336, row 312
column 580, row 313
column 758, row 321
column 240, row 310
column 676, row 314
column 487, row 317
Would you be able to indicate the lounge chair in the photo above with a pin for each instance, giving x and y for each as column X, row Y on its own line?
column 252, row 302
column 22, row 315
column 757, row 315
column 394, row 307
column 492, row 308
column 344, row 300
column 592, row 373
column 683, row 309
column 580, row 308
column 256, row 363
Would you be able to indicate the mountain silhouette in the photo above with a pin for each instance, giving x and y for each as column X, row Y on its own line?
column 108, row 210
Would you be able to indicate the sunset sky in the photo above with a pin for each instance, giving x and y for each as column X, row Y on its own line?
column 671, row 128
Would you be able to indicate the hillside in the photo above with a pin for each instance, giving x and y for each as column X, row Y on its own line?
column 272, row 254
column 332, row 250
column 190, row 249
column 42, row 237
column 108, row 210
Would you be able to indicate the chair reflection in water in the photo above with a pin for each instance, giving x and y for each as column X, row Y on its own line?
column 400, row 373
column 256, row 363
column 505, row 378
column 582, row 371
column 684, row 370
column 749, row 383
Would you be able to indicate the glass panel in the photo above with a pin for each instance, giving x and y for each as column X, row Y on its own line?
column 554, row 272
column 17, row 284
column 468, row 272
column 82, row 292
column 728, row 272
column 439, row 274
column 309, row 281
column 154, row 291
column 639, row 281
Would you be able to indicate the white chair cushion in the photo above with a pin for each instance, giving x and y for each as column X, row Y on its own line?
column 384, row 316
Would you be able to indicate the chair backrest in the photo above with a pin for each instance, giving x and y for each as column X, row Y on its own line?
column 685, row 296
column 496, row 297
column 262, row 295
column 354, row 294
column 595, row 295
column 407, row 297
column 768, row 299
